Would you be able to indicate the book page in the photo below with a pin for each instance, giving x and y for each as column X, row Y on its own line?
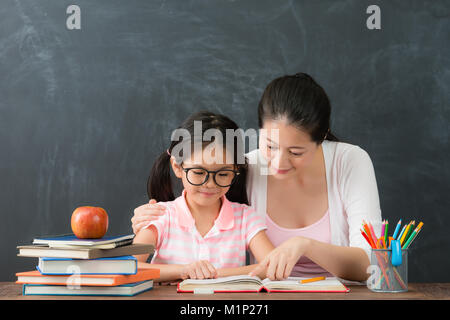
column 230, row 279
column 296, row 280
column 293, row 283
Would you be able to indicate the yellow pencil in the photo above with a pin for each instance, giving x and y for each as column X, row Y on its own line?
column 405, row 233
column 312, row 280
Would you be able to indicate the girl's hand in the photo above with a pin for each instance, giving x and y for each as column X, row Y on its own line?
column 202, row 269
column 280, row 261
column 146, row 213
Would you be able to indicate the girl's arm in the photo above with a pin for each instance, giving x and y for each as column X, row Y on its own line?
column 168, row 272
column 260, row 246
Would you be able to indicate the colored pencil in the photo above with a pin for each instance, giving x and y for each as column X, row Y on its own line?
column 374, row 236
column 411, row 229
column 402, row 239
column 399, row 279
column 367, row 239
column 413, row 236
column 383, row 268
column 397, row 229
column 312, row 280
column 366, row 229
column 380, row 243
column 386, row 227
column 390, row 239
column 401, row 233
column 371, row 243
column 384, row 243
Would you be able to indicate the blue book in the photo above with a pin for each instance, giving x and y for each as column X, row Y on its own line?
column 67, row 266
column 130, row 289
column 70, row 240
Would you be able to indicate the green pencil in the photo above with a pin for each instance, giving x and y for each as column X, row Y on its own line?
column 411, row 229
column 386, row 232
column 413, row 236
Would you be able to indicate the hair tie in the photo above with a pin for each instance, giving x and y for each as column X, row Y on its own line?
column 167, row 150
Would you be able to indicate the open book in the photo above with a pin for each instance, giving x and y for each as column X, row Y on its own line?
column 245, row 283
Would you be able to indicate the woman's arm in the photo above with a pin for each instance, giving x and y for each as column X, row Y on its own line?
column 344, row 262
column 359, row 193
column 145, row 214
column 348, row 263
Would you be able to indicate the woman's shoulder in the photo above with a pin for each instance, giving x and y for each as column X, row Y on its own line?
column 344, row 152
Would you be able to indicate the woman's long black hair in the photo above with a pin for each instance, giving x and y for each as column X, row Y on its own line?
column 302, row 101
column 159, row 183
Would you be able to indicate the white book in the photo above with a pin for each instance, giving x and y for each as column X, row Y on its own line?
column 65, row 241
column 122, row 290
column 110, row 265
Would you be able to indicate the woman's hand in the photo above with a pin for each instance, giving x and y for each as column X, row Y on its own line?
column 280, row 261
column 145, row 214
column 202, row 269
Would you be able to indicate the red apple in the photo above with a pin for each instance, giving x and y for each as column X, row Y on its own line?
column 89, row 222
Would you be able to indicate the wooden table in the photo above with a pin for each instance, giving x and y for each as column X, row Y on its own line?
column 416, row 291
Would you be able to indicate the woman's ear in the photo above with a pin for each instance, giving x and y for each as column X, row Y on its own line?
column 177, row 170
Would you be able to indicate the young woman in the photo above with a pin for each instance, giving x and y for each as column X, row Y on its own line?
column 318, row 190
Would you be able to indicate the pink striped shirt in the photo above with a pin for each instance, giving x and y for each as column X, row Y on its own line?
column 225, row 244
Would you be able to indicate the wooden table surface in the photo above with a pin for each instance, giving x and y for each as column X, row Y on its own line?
column 416, row 291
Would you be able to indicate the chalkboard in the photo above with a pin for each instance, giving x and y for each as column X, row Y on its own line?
column 84, row 112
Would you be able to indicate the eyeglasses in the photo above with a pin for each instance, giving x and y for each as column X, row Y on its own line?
column 198, row 176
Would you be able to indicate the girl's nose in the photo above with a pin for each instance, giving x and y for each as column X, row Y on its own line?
column 210, row 182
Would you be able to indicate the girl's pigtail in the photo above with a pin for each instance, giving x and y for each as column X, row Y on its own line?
column 238, row 191
column 159, row 183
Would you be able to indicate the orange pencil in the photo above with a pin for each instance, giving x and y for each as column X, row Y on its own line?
column 312, row 279
column 369, row 234
column 374, row 235
column 390, row 239
column 380, row 243
column 368, row 239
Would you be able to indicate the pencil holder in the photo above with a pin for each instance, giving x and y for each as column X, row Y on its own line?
column 389, row 270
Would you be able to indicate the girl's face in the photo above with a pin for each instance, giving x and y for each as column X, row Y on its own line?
column 288, row 155
column 208, row 193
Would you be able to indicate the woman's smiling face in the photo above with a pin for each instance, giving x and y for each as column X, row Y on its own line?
column 287, row 149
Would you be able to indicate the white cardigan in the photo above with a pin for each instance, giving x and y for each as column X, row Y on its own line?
column 352, row 191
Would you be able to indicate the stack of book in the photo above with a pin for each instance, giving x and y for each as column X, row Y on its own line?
column 71, row 266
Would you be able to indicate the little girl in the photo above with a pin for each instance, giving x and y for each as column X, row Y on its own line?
column 206, row 230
